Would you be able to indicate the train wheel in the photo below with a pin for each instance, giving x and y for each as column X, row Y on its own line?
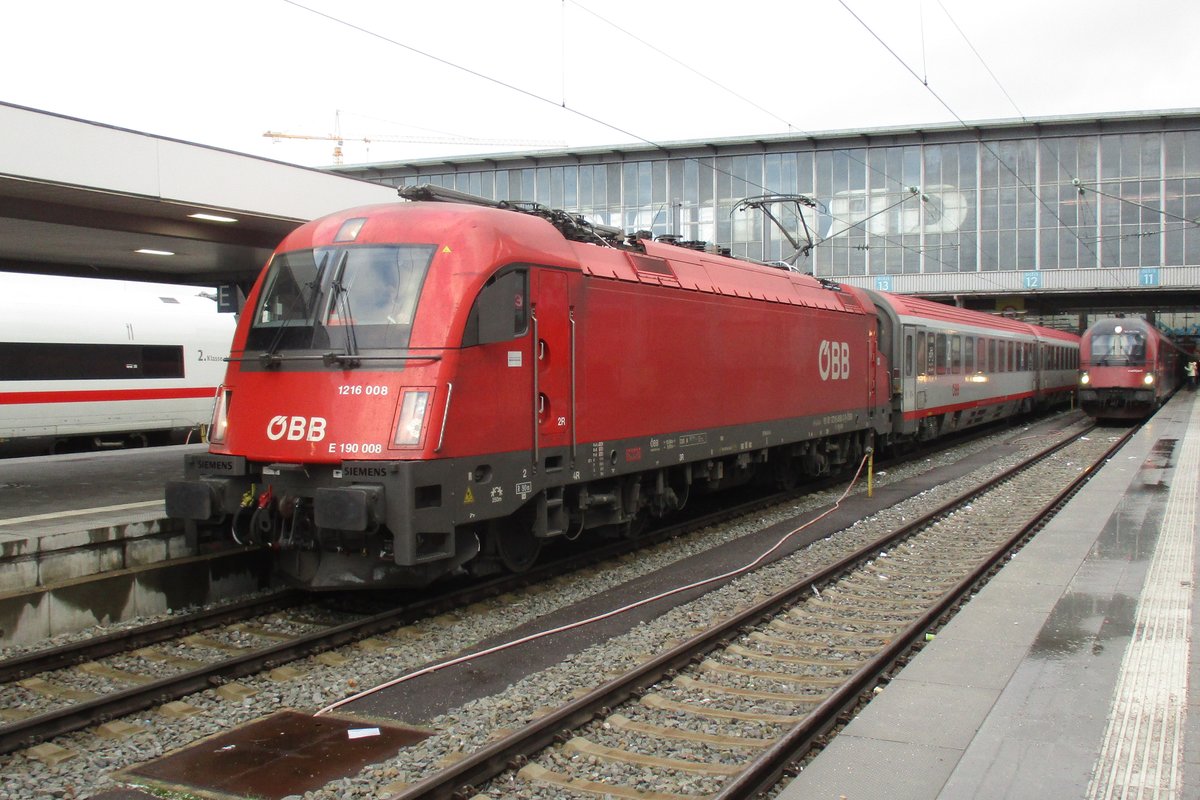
column 515, row 546
column 784, row 475
column 634, row 527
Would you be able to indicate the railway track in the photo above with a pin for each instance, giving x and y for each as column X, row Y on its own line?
column 91, row 681
column 727, row 712
column 256, row 639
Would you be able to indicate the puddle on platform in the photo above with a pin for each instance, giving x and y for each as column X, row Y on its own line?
column 1096, row 613
column 1082, row 623
column 287, row 753
column 1159, row 467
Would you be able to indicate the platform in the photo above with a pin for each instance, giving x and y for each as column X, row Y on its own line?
column 1068, row 674
column 68, row 520
column 68, row 516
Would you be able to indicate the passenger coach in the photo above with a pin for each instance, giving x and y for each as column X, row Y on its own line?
column 953, row 368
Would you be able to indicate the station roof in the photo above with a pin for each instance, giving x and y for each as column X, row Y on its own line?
column 80, row 198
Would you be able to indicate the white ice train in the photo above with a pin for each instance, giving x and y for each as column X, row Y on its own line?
column 93, row 363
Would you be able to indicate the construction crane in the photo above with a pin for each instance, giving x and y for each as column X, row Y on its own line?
column 340, row 140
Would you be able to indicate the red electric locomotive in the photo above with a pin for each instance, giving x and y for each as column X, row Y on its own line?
column 424, row 387
column 1128, row 369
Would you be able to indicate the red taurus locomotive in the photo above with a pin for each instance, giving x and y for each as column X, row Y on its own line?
column 1128, row 369
column 424, row 387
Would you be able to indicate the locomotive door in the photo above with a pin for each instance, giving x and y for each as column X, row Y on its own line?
column 872, row 373
column 553, row 359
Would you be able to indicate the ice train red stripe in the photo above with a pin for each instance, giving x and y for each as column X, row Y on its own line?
column 106, row 395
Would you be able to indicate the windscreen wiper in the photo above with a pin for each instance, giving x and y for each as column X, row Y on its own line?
column 341, row 298
column 269, row 357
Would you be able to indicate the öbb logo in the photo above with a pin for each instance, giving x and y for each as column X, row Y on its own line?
column 296, row 428
column 833, row 361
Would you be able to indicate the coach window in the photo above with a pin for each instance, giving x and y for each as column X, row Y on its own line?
column 956, row 355
column 992, row 365
column 1011, row 357
column 921, row 350
column 940, row 355
column 501, row 311
column 969, row 352
column 908, row 355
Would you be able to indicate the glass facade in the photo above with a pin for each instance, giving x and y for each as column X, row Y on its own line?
column 1038, row 202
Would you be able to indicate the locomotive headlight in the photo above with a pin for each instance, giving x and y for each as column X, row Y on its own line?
column 1085, row 379
column 1149, row 379
column 412, row 418
column 220, row 418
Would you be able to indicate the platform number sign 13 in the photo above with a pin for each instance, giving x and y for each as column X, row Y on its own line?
column 833, row 360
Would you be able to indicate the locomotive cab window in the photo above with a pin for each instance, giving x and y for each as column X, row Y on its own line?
column 1118, row 346
column 501, row 311
column 311, row 297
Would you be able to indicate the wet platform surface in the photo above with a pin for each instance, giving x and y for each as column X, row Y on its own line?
column 284, row 755
column 46, row 494
column 84, row 540
column 1072, row 673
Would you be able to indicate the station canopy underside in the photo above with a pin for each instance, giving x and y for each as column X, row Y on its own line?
column 81, row 199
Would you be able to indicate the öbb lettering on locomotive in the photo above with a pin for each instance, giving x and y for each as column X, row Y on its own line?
column 444, row 384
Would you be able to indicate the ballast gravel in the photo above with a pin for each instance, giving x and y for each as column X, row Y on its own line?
column 468, row 727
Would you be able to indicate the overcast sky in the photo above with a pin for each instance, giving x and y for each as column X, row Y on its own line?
column 581, row 73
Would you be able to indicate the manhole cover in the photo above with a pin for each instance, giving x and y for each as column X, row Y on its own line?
column 287, row 753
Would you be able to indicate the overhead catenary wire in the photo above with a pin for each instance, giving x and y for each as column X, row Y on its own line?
column 983, row 143
column 708, row 162
column 1161, row 211
column 686, row 66
column 982, row 62
column 561, row 103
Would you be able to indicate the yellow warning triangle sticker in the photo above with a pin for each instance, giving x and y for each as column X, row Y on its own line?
column 446, row 249
column 468, row 497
